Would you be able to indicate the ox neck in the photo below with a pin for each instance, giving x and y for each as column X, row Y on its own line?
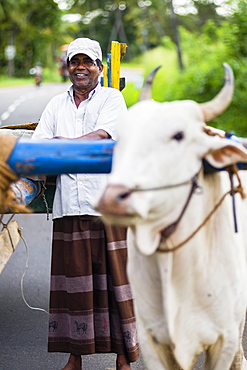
column 169, row 230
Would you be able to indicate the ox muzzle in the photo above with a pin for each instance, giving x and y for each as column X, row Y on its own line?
column 114, row 201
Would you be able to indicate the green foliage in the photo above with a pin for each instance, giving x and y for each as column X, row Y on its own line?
column 206, row 11
column 130, row 93
column 51, row 75
column 140, row 24
column 37, row 28
column 203, row 76
column 234, row 31
column 34, row 29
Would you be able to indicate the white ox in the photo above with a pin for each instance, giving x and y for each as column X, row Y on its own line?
column 189, row 282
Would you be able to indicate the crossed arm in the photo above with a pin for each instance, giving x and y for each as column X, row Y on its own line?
column 94, row 135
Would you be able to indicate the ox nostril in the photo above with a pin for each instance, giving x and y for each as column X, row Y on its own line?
column 122, row 196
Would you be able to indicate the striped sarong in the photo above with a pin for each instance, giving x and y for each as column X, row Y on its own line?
column 91, row 306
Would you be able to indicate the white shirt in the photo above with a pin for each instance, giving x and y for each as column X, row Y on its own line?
column 75, row 193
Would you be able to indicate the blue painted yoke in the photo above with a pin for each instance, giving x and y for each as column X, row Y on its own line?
column 56, row 156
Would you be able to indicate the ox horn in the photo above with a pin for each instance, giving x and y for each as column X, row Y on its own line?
column 220, row 102
column 145, row 93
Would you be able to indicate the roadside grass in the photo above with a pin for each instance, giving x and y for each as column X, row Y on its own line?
column 48, row 76
column 166, row 77
column 12, row 81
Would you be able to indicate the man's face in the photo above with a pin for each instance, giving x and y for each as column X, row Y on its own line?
column 84, row 72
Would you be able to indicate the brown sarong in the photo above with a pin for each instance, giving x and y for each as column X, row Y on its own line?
column 91, row 303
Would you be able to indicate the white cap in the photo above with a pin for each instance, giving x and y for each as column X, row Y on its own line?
column 83, row 45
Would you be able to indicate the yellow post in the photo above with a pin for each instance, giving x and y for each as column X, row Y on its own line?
column 111, row 72
column 115, row 64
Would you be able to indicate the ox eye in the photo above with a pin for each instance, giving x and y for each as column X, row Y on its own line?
column 179, row 136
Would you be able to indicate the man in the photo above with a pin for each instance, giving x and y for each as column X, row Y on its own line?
column 91, row 308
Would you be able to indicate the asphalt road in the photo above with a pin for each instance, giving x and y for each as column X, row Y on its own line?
column 25, row 104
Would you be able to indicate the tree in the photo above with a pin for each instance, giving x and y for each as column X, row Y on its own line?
column 234, row 32
column 139, row 23
column 206, row 10
column 34, row 30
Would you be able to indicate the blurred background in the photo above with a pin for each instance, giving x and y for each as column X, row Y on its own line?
column 189, row 38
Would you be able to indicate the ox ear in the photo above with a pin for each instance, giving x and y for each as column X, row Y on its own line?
column 225, row 153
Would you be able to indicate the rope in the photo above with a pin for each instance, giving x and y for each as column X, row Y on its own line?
column 199, row 227
column 22, row 279
column 232, row 191
column 5, row 226
column 164, row 187
column 234, row 170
